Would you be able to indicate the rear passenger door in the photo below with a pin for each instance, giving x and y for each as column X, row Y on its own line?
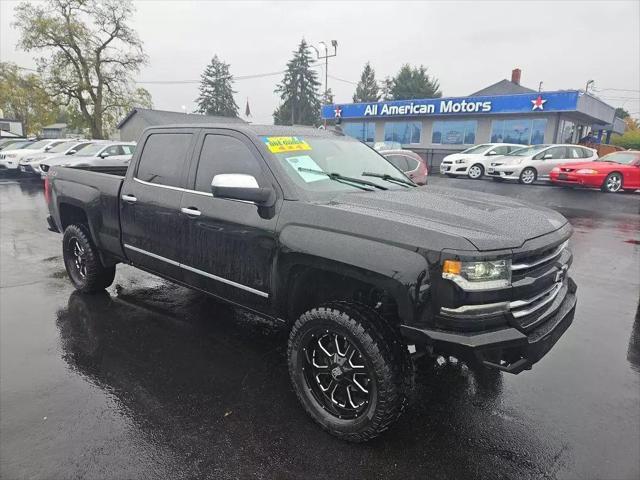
column 230, row 244
column 153, row 229
column 550, row 158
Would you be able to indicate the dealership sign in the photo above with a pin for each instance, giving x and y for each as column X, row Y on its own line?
column 522, row 103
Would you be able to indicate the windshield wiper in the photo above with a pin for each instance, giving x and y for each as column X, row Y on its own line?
column 342, row 179
column 389, row 178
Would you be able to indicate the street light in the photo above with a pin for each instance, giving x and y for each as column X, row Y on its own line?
column 326, row 56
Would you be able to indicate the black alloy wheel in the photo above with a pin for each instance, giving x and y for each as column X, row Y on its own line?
column 82, row 261
column 349, row 369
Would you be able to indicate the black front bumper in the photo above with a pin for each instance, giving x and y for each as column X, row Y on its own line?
column 507, row 349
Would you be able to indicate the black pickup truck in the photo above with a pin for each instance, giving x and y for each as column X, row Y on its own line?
column 317, row 230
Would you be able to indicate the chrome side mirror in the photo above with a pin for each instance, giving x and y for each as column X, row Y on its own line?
column 239, row 186
column 547, row 156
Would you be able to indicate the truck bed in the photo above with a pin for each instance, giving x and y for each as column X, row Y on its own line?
column 95, row 193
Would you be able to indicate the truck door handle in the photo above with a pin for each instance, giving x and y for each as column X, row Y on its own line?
column 129, row 198
column 191, row 211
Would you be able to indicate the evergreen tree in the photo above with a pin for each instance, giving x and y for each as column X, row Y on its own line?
column 216, row 91
column 414, row 82
column 367, row 89
column 387, row 84
column 299, row 91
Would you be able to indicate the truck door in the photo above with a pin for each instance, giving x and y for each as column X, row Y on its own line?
column 153, row 229
column 230, row 244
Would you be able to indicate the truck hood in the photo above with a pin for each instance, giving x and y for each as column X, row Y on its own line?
column 489, row 222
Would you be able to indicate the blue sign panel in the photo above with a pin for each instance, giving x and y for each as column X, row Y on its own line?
column 521, row 103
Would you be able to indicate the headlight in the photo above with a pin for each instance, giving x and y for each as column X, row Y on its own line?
column 478, row 275
column 460, row 160
column 587, row 171
column 555, row 170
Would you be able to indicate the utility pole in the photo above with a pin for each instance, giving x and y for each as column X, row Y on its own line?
column 539, row 87
column 325, row 57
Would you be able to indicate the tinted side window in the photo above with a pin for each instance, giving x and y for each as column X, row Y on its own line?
column 555, row 152
column 224, row 154
column 412, row 164
column 586, row 153
column 163, row 158
column 114, row 150
column 398, row 161
column 576, row 152
column 500, row 150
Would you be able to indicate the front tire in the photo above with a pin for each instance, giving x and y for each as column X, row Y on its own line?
column 613, row 183
column 82, row 262
column 349, row 370
column 528, row 176
column 476, row 171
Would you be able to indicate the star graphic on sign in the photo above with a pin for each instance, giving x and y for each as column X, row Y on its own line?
column 538, row 103
column 338, row 112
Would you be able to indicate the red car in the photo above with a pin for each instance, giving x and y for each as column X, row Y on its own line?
column 412, row 164
column 611, row 173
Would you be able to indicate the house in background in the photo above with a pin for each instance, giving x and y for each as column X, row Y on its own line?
column 11, row 128
column 132, row 126
column 55, row 130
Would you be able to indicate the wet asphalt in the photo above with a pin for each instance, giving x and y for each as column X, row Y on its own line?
column 151, row 380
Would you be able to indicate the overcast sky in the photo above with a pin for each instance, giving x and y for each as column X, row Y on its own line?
column 466, row 45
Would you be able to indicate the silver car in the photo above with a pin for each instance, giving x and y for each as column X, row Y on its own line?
column 31, row 163
column 99, row 153
column 529, row 164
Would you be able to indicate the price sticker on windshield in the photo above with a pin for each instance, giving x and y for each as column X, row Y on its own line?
column 286, row 144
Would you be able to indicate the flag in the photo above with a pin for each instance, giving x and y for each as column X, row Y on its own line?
column 247, row 110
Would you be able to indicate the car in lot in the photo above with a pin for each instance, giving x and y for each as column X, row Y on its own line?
column 474, row 161
column 104, row 153
column 5, row 143
column 529, row 164
column 10, row 159
column 31, row 164
column 317, row 231
column 615, row 172
column 408, row 162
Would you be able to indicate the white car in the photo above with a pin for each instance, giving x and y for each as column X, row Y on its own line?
column 535, row 163
column 9, row 159
column 99, row 153
column 31, row 163
column 473, row 162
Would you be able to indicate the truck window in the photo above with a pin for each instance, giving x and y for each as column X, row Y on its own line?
column 163, row 158
column 224, row 154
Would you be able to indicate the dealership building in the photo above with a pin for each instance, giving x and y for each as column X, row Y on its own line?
column 503, row 112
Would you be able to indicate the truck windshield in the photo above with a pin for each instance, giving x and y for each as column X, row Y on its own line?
column 311, row 162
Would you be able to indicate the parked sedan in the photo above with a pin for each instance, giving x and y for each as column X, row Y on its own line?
column 412, row 164
column 474, row 161
column 535, row 163
column 31, row 163
column 611, row 173
column 103, row 153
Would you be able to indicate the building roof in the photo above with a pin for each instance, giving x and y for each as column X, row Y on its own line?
column 503, row 87
column 55, row 126
column 164, row 117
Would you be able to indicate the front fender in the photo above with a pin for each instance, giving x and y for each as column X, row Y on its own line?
column 401, row 272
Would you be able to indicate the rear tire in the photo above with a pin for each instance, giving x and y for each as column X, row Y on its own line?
column 82, row 262
column 349, row 369
column 528, row 176
column 613, row 183
column 475, row 172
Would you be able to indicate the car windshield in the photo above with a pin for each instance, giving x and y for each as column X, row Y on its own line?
column 18, row 145
column 624, row 158
column 528, row 151
column 90, row 150
column 62, row 147
column 308, row 160
column 38, row 145
column 477, row 149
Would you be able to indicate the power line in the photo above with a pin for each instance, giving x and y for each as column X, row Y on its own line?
column 238, row 78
